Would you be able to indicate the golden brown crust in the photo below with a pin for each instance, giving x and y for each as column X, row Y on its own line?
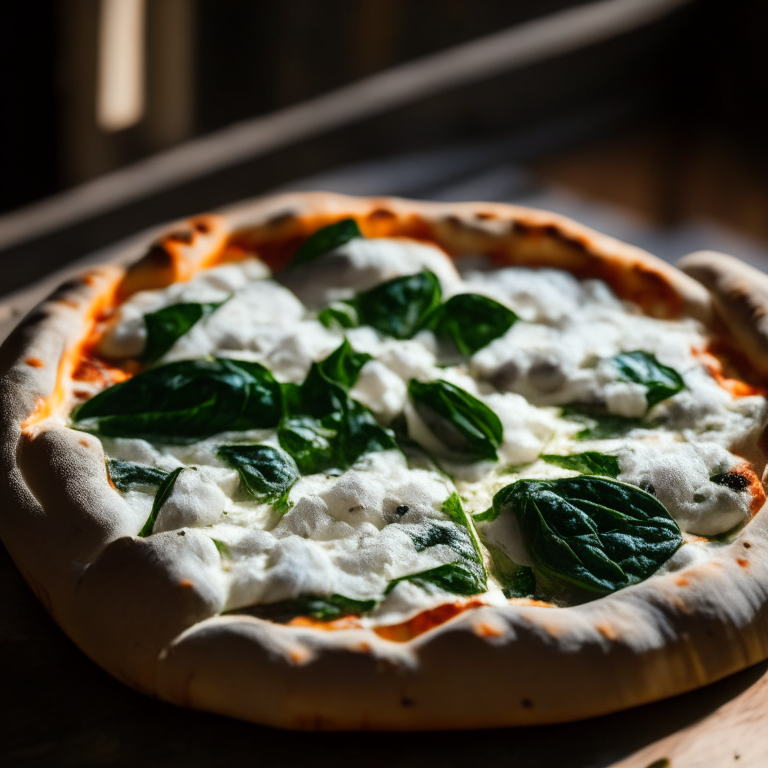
column 146, row 610
column 740, row 296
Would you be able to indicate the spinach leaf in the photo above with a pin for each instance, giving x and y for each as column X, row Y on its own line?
column 660, row 381
column 126, row 475
column 167, row 325
column 341, row 314
column 266, row 472
column 599, row 425
column 163, row 492
column 326, row 239
column 263, row 405
column 224, row 553
column 323, row 429
column 447, row 534
column 465, row 576
column 186, row 401
column 588, row 463
column 465, row 424
column 460, row 578
column 312, row 606
column 471, row 321
column 343, row 365
column 454, row 509
column 335, row 441
column 398, row 308
column 515, row 580
column 591, row 533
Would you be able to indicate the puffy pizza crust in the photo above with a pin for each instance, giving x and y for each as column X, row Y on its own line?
column 146, row 609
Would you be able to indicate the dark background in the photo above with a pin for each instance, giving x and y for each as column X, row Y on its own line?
column 698, row 74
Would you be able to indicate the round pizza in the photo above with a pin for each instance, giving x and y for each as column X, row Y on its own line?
column 322, row 462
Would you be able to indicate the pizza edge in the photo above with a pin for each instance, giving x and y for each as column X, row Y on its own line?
column 157, row 598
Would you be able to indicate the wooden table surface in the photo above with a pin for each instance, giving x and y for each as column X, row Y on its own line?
column 57, row 708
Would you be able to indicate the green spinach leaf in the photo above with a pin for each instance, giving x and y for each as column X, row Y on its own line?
column 225, row 553
column 343, row 365
column 660, row 381
column 333, row 442
column 266, row 472
column 459, row 578
column 465, row 576
column 323, row 429
column 399, row 308
column 590, row 533
column 313, row 606
column 515, row 580
column 465, row 424
column 471, row 321
column 588, row 463
column 163, row 492
column 169, row 324
column 324, row 240
column 126, row 475
column 597, row 424
column 186, row 401
column 340, row 314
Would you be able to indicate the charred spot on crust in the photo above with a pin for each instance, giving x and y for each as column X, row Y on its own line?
column 521, row 229
column 732, row 480
column 181, row 236
column 746, row 545
column 553, row 231
column 454, row 221
column 280, row 218
column 159, row 256
column 381, row 214
column 202, row 227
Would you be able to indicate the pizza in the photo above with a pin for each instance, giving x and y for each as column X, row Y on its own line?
column 322, row 462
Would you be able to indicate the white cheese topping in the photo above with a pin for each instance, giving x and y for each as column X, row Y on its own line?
column 353, row 535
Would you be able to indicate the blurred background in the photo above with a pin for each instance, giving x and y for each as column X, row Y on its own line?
column 643, row 118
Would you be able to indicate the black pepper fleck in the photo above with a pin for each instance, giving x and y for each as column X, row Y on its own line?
column 732, row 480
column 401, row 510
